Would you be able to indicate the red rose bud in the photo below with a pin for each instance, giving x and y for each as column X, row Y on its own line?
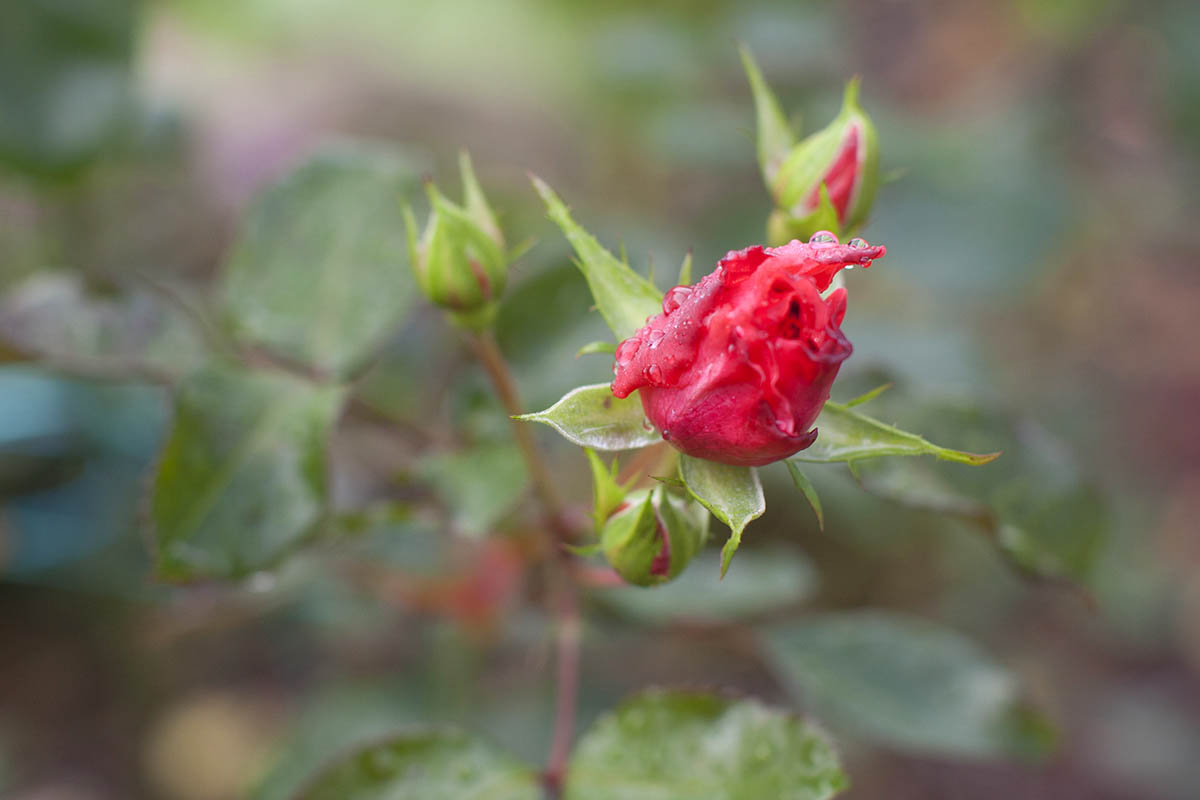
column 834, row 172
column 738, row 366
column 460, row 261
column 653, row 535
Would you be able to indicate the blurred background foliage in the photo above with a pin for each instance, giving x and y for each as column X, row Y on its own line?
column 1040, row 296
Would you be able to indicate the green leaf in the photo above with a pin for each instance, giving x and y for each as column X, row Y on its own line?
column 591, row 417
column 845, row 435
column 733, row 494
column 597, row 347
column 775, row 136
column 478, row 485
column 765, row 580
column 683, row 745
column 809, row 491
column 65, row 80
column 625, row 299
column 429, row 765
column 903, row 682
column 242, row 479
column 320, row 272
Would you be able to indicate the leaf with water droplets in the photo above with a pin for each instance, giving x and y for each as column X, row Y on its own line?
column 733, row 494
column 690, row 745
column 625, row 299
column 590, row 416
column 425, row 764
column 905, row 682
column 844, row 435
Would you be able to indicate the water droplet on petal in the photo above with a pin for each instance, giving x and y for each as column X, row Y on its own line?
column 675, row 298
column 655, row 337
column 654, row 374
column 822, row 237
column 627, row 351
column 858, row 243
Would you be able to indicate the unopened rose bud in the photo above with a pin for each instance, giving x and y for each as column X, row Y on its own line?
column 737, row 367
column 459, row 259
column 825, row 182
column 843, row 157
column 652, row 536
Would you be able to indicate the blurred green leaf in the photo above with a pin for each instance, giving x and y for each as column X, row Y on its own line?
column 733, row 494
column 846, row 435
column 904, row 682
column 51, row 315
column 320, row 272
column 590, row 416
column 478, row 485
column 429, row 765
column 765, row 580
column 242, row 479
column 687, row 745
column 65, row 68
column 625, row 299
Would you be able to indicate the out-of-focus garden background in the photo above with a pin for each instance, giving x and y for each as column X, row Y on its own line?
column 1040, row 295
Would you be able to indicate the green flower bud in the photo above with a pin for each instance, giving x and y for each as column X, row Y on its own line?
column 459, row 260
column 653, row 535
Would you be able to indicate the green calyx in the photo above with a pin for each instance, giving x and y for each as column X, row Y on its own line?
column 653, row 536
column 460, row 261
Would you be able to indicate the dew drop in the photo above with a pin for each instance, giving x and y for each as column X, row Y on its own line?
column 822, row 237
column 655, row 337
column 627, row 351
column 654, row 374
column 858, row 243
column 674, row 298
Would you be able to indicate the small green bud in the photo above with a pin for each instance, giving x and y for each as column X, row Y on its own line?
column 653, row 536
column 460, row 261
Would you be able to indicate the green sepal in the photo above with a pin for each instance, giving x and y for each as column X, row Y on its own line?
column 591, row 348
column 624, row 298
column 733, row 494
column 775, row 135
column 782, row 227
column 844, row 435
column 607, row 494
column 590, row 416
column 808, row 490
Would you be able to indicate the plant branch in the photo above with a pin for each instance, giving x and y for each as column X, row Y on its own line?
column 494, row 363
column 564, row 598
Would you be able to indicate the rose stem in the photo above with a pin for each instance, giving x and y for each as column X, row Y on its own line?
column 564, row 598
